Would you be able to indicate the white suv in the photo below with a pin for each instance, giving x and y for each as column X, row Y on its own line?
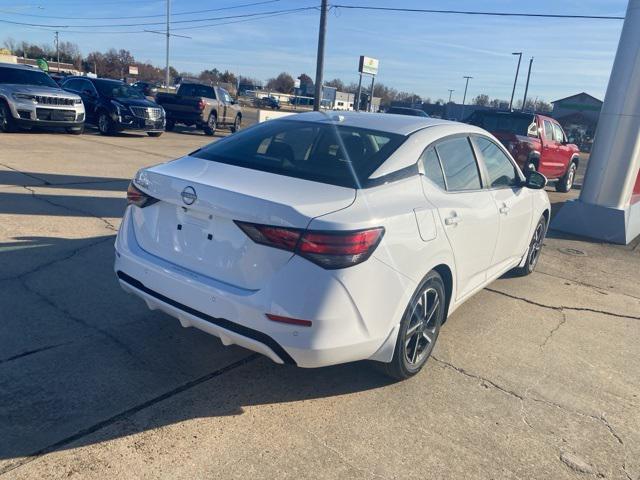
column 29, row 97
column 324, row 238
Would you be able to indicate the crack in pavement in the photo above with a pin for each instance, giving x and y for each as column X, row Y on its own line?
column 115, row 340
column 588, row 285
column 601, row 419
column 71, row 254
column 342, row 457
column 25, row 174
column 563, row 307
column 127, row 413
column 32, row 352
column 35, row 195
column 562, row 321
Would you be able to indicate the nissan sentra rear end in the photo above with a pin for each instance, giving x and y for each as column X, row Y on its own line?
column 223, row 240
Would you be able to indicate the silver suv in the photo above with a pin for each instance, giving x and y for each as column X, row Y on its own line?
column 29, row 97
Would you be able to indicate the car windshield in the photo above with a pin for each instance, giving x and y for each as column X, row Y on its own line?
column 518, row 124
column 111, row 89
column 333, row 154
column 26, row 77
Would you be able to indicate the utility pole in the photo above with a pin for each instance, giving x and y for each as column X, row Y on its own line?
column 450, row 92
column 58, row 51
column 513, row 92
column 166, row 73
column 320, row 58
column 464, row 97
column 373, row 81
column 526, row 88
column 356, row 104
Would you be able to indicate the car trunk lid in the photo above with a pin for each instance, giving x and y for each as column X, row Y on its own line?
column 192, row 225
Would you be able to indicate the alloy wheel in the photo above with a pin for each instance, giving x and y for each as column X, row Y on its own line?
column 423, row 327
column 536, row 245
column 570, row 176
column 3, row 118
column 103, row 124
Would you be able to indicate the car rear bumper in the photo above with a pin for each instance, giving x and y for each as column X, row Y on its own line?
column 340, row 331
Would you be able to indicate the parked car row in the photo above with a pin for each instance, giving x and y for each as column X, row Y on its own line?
column 31, row 98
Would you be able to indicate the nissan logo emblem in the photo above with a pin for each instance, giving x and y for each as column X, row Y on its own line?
column 189, row 195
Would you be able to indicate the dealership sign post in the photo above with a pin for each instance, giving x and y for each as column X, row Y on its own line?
column 609, row 204
column 367, row 66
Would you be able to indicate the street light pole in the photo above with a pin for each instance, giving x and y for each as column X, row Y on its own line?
column 526, row 88
column 166, row 73
column 320, row 58
column 515, row 81
column 464, row 97
column 450, row 92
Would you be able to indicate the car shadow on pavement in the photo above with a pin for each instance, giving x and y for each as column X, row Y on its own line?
column 57, row 180
column 78, row 356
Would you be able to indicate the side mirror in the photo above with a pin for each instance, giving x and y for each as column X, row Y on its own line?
column 532, row 131
column 88, row 92
column 535, row 181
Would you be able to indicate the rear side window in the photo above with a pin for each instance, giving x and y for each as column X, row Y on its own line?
column 502, row 173
column 459, row 164
column 557, row 133
column 327, row 153
column 195, row 90
column 432, row 168
column 548, row 130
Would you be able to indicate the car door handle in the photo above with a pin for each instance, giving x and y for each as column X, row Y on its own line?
column 454, row 220
column 504, row 209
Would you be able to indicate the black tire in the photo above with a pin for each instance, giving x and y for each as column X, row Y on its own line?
column 154, row 134
column 534, row 250
column 170, row 125
column 565, row 184
column 419, row 328
column 105, row 124
column 211, row 125
column 6, row 119
column 236, row 124
column 75, row 130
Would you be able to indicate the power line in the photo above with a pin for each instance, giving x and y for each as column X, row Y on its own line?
column 146, row 24
column 142, row 16
column 120, row 32
column 471, row 12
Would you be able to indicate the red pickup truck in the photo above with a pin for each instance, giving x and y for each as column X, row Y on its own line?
column 536, row 142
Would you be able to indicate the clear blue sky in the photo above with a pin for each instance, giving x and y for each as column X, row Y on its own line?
column 423, row 53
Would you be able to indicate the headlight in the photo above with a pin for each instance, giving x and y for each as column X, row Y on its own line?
column 77, row 101
column 23, row 96
column 119, row 107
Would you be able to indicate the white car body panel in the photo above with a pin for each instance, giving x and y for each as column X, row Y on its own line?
column 226, row 285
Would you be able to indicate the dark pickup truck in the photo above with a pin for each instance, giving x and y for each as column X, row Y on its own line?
column 535, row 141
column 207, row 107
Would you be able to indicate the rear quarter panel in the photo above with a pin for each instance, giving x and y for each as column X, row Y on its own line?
column 404, row 256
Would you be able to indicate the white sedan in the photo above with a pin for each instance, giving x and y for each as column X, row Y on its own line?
column 324, row 238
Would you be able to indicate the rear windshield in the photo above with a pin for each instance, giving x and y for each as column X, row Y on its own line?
column 26, row 77
column 334, row 154
column 518, row 124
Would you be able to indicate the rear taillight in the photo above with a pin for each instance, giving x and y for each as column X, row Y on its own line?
column 138, row 198
column 329, row 249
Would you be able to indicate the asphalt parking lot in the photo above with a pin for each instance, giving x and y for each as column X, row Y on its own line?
column 535, row 377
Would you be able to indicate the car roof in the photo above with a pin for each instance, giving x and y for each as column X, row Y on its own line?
column 20, row 66
column 384, row 122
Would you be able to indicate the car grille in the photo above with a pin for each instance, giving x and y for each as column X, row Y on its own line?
column 55, row 115
column 42, row 100
column 148, row 113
